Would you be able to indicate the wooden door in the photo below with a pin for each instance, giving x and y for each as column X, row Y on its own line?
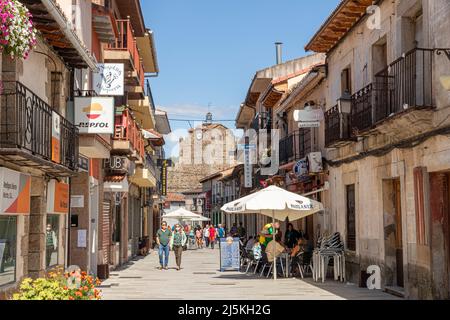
column 398, row 233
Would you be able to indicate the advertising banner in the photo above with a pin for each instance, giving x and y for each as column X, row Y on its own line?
column 230, row 259
column 14, row 192
column 164, row 178
column 94, row 115
column 56, row 137
column 57, row 197
column 110, row 80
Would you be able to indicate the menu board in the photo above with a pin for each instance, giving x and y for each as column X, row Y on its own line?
column 230, row 258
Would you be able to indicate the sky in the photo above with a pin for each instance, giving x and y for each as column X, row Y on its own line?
column 209, row 50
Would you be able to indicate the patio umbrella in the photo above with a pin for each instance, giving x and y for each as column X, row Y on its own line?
column 277, row 203
column 200, row 218
column 181, row 214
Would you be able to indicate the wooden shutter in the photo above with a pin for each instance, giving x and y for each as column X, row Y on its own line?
column 106, row 231
column 419, row 205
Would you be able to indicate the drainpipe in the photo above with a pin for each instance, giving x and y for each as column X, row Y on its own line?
column 65, row 26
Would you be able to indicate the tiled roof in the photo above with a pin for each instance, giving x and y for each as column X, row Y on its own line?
column 175, row 197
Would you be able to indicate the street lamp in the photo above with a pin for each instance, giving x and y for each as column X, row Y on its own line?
column 345, row 102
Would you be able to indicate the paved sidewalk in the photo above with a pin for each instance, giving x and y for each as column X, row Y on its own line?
column 200, row 279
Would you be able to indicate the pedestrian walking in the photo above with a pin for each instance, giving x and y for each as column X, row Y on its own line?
column 221, row 231
column 212, row 236
column 206, row 235
column 177, row 243
column 199, row 237
column 163, row 237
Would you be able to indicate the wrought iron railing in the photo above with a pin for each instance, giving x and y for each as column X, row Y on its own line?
column 295, row 146
column 127, row 129
column 337, row 126
column 405, row 83
column 362, row 108
column 26, row 124
column 127, row 41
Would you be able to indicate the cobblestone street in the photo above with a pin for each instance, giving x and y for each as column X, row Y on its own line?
column 200, row 279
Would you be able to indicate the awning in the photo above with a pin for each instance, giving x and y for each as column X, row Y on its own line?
column 116, row 184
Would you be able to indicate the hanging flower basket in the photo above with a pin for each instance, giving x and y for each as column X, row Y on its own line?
column 17, row 33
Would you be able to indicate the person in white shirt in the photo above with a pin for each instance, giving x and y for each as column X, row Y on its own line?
column 206, row 235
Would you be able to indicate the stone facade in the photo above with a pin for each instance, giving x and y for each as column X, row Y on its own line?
column 399, row 166
column 212, row 151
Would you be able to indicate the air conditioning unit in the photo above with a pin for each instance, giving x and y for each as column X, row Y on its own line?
column 315, row 162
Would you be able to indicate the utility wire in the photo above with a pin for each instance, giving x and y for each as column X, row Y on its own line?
column 200, row 120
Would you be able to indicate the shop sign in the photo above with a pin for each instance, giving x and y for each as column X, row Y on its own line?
column 94, row 115
column 83, row 164
column 309, row 124
column 309, row 118
column 301, row 168
column 57, row 197
column 117, row 164
column 14, row 192
column 110, row 79
column 229, row 254
column 248, row 168
column 77, row 201
column 164, row 177
column 56, row 137
column 315, row 164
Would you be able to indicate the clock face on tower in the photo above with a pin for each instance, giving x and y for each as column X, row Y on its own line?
column 199, row 135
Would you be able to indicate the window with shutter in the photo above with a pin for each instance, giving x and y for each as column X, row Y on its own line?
column 351, row 218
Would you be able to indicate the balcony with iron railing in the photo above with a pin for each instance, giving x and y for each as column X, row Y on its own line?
column 295, row 146
column 406, row 84
column 32, row 134
column 145, row 175
column 128, row 138
column 337, row 127
column 125, row 49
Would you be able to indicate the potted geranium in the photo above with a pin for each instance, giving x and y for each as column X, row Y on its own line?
column 17, row 33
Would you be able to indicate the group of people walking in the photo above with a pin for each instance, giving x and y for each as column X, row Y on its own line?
column 176, row 239
column 208, row 236
column 167, row 240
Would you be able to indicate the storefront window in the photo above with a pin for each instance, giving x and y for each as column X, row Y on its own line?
column 51, row 239
column 8, row 245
